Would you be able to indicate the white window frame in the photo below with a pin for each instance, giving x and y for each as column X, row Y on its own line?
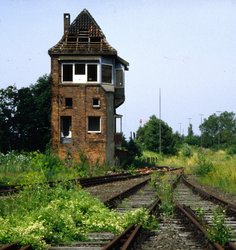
column 94, row 131
column 99, row 103
column 84, row 77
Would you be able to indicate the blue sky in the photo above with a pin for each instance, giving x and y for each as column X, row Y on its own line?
column 186, row 48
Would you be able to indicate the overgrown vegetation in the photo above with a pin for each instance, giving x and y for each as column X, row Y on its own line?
column 217, row 231
column 163, row 185
column 40, row 216
column 213, row 168
column 22, row 168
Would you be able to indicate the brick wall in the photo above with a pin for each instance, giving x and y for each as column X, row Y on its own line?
column 98, row 147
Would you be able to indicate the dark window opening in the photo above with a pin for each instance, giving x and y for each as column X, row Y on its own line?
column 96, row 102
column 119, row 77
column 107, row 73
column 95, row 39
column 94, row 124
column 67, row 72
column 66, row 133
column 83, row 39
column 79, row 69
column 71, row 39
column 92, row 73
column 69, row 102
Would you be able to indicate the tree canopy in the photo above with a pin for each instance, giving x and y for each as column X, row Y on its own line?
column 148, row 136
column 219, row 130
column 25, row 116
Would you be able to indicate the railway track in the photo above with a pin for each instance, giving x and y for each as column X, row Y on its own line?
column 195, row 199
column 185, row 230
column 92, row 181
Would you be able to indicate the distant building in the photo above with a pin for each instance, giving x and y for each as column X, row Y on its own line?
column 87, row 87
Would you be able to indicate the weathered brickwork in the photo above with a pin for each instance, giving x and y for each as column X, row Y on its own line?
column 84, row 111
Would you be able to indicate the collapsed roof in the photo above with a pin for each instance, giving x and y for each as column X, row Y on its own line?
column 82, row 36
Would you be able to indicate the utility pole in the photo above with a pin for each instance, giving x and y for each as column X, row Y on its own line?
column 180, row 128
column 218, row 112
column 201, row 128
column 160, row 120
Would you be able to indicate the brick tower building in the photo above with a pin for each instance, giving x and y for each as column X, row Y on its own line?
column 87, row 88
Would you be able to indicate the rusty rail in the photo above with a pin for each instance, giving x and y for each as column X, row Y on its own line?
column 229, row 206
column 189, row 213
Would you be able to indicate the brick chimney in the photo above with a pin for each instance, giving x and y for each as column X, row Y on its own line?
column 66, row 22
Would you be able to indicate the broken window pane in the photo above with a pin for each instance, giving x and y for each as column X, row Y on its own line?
column 67, row 72
column 92, row 72
column 79, row 69
column 94, row 124
column 66, row 132
column 107, row 73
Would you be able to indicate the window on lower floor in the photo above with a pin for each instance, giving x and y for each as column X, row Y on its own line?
column 94, row 124
column 96, row 102
column 68, row 102
column 66, row 132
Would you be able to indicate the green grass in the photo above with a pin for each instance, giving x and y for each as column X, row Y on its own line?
column 222, row 175
column 22, row 168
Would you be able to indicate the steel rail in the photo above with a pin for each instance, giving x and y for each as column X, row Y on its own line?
column 229, row 206
column 84, row 182
column 189, row 213
column 112, row 202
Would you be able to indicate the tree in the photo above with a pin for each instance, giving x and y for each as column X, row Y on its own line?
column 8, row 109
column 219, row 130
column 148, row 136
column 25, row 116
column 192, row 139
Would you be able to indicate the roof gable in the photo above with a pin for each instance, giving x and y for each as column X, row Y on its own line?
column 83, row 36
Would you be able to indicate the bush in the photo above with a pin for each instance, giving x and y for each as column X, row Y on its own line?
column 186, row 151
column 231, row 150
column 203, row 166
column 40, row 215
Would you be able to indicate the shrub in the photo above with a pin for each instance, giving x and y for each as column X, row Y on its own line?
column 203, row 166
column 218, row 231
column 186, row 151
column 40, row 215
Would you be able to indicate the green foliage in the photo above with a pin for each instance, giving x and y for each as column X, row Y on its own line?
column 21, row 168
column 162, row 183
column 40, row 215
column 25, row 117
column 219, row 130
column 148, row 136
column 218, row 231
column 231, row 150
column 186, row 151
column 203, row 166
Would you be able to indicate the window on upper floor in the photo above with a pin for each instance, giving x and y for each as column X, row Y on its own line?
column 107, row 73
column 119, row 77
column 67, row 73
column 92, row 72
column 79, row 72
column 79, row 68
